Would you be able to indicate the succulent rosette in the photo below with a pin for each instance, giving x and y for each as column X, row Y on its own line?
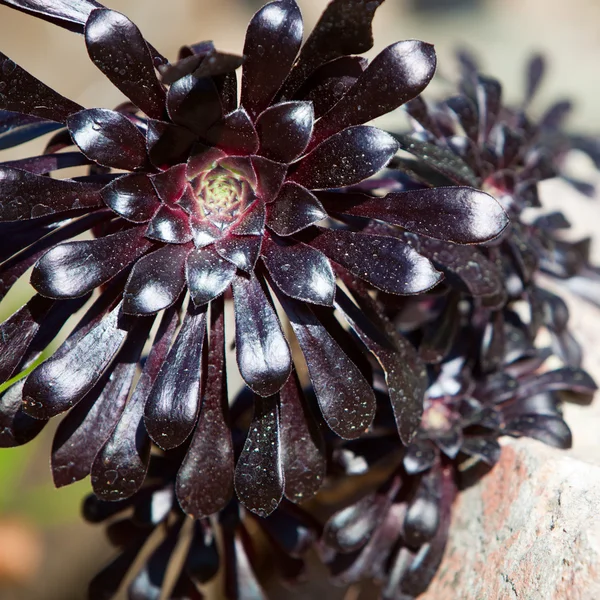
column 192, row 197
column 395, row 533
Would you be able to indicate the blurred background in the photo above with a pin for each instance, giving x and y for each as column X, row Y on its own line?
column 46, row 551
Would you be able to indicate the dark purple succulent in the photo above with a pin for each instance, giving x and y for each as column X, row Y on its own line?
column 192, row 197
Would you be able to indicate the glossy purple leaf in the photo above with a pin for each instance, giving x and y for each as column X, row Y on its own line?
column 489, row 100
column 394, row 76
column 171, row 184
column 344, row 28
column 34, row 196
column 533, row 77
column 70, row 14
column 204, row 64
column 556, row 115
column 567, row 378
column 46, row 163
column 484, row 448
column 171, row 225
column 205, row 478
column 120, row 467
column 326, row 86
column 468, row 264
column 118, row 49
column 454, row 214
column 133, row 197
column 65, row 378
column 420, row 456
column 423, row 511
column 465, row 112
column 294, row 209
column 85, row 429
column 270, row 176
column 194, row 103
column 548, row 429
column 73, row 269
column 17, row 128
column 299, row 271
column 273, row 38
column 168, row 143
column 345, row 397
column 172, row 406
column 16, row 427
column 108, row 138
column 235, row 133
column 387, row 263
column 17, row 333
column 302, row 448
column 262, row 352
column 23, row 93
column 156, row 280
column 252, row 221
column 208, row 275
column 241, row 251
column 284, row 130
column 345, row 158
column 259, row 473
column 441, row 159
column 405, row 374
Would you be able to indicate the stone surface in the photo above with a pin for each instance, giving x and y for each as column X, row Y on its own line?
column 529, row 530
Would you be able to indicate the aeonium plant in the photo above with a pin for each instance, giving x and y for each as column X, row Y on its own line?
column 275, row 200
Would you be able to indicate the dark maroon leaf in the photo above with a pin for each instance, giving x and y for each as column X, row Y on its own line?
column 478, row 274
column 46, row 163
column 302, row 449
column 16, row 427
column 423, row 511
column 65, row 378
column 350, row 528
column 29, row 196
column 120, row 467
column 108, row 138
column 133, row 197
column 73, row 269
column 387, row 263
column 173, row 403
column 171, row 184
column 208, row 275
column 263, row 354
column 455, row 214
column 208, row 63
column 294, row 209
column 420, row 456
column 345, row 158
column 241, row 251
column 171, row 225
column 17, row 128
column 344, row 28
column 345, row 397
column 259, row 473
column 23, row 93
column 234, row 133
column 203, row 561
column 395, row 75
column 270, row 176
column 70, row 14
column 548, row 429
column 555, row 116
column 156, row 280
column 489, row 99
column 252, row 221
column 168, row 143
column 405, row 374
column 484, row 448
column 299, row 271
column 443, row 160
column 533, row 77
column 465, row 112
column 194, row 103
column 284, row 130
column 273, row 39
column 85, row 429
column 326, row 86
column 17, row 333
column 205, row 478
column 118, row 49
column 567, row 378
